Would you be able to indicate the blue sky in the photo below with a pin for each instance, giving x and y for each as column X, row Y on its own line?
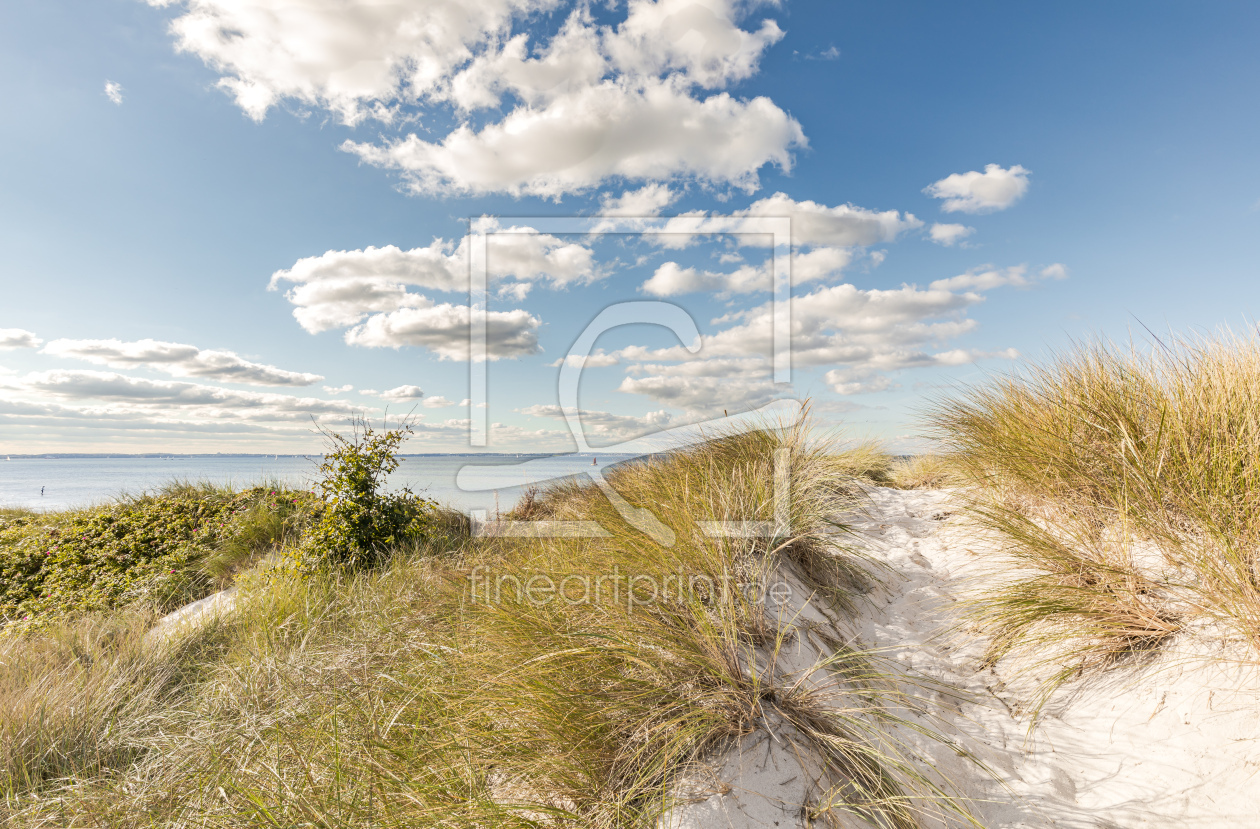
column 1100, row 159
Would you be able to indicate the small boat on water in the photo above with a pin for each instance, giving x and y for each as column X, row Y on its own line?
column 594, row 461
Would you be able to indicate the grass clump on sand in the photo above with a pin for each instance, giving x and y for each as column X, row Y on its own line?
column 869, row 463
column 921, row 472
column 1126, row 485
column 449, row 686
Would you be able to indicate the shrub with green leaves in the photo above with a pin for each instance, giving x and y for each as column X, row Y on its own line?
column 149, row 549
column 360, row 521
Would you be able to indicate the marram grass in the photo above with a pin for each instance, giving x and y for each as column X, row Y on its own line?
column 392, row 697
column 931, row 471
column 1125, row 483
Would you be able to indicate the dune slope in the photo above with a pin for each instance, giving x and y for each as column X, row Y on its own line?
column 1174, row 742
column 1171, row 743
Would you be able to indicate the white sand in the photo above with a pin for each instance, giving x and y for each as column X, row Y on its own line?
column 1173, row 744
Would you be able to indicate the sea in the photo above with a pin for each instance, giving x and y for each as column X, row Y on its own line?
column 464, row 482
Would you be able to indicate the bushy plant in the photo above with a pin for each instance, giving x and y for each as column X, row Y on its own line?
column 148, row 549
column 274, row 518
column 360, row 521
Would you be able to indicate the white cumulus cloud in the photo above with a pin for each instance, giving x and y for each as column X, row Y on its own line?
column 642, row 132
column 444, row 330
column 410, row 393
column 397, row 393
column 596, row 360
column 701, row 39
column 179, row 399
column 637, row 99
column 813, row 224
column 342, row 288
column 355, row 59
column 842, row 225
column 648, row 200
column 949, row 234
column 114, row 91
column 863, row 335
column 519, row 253
column 987, row 277
column 819, row 264
column 706, row 386
column 571, row 60
column 834, row 324
column 1056, row 271
column 975, row 192
column 672, row 279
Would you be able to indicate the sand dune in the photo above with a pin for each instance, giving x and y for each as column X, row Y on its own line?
column 1171, row 743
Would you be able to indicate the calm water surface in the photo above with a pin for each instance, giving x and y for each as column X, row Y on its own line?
column 75, row 482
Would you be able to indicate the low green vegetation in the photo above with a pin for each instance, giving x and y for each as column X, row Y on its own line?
column 162, row 550
column 1125, row 484
column 870, row 463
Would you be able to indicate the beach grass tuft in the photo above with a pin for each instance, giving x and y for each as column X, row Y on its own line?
column 928, row 471
column 1124, row 481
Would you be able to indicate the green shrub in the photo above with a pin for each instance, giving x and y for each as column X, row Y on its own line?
column 149, row 549
column 359, row 521
column 181, row 544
